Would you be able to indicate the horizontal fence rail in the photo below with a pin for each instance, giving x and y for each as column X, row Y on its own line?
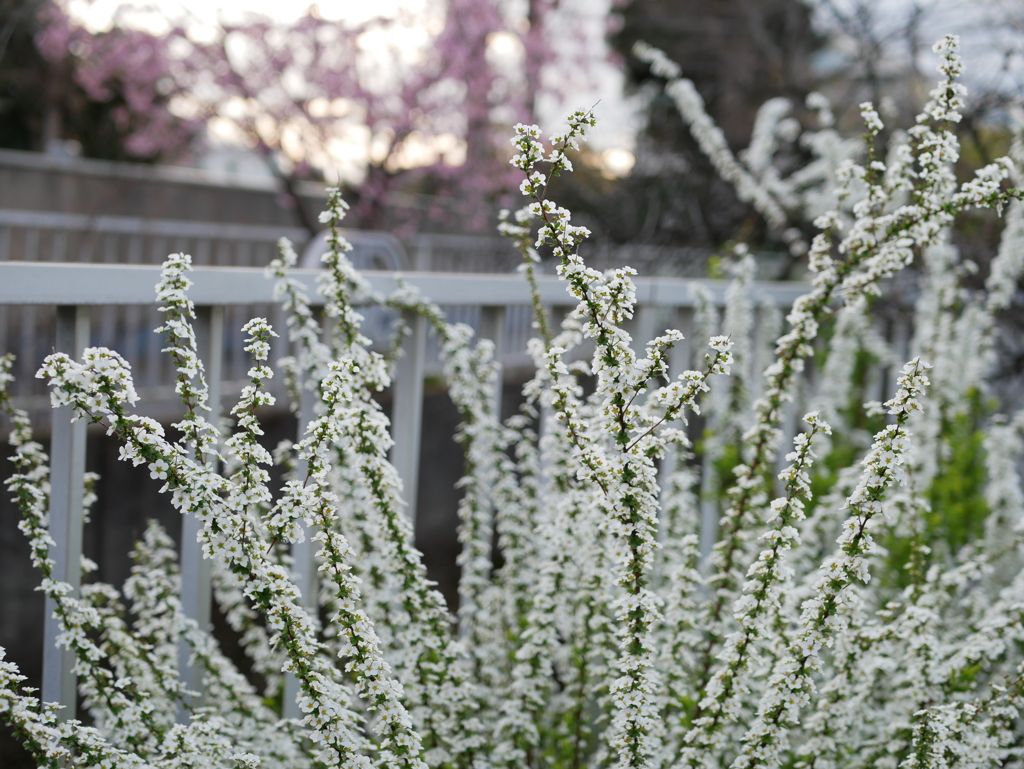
column 101, row 284
column 496, row 304
column 130, row 225
column 44, row 236
column 31, row 236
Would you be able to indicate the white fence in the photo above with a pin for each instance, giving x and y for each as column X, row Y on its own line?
column 43, row 236
column 74, row 289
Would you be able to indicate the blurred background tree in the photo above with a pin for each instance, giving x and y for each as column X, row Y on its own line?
column 105, row 95
column 410, row 107
column 739, row 54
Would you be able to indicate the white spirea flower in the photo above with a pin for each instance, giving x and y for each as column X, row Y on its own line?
column 588, row 632
column 825, row 614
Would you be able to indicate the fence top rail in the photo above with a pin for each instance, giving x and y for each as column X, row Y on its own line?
column 49, row 283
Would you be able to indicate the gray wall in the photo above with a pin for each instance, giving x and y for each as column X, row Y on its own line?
column 37, row 182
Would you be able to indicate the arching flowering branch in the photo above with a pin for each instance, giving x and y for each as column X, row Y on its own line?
column 555, row 230
column 757, row 607
column 313, row 500
column 129, row 699
column 710, row 137
column 626, row 476
column 878, row 243
column 100, row 388
column 570, row 662
column 120, row 705
column 51, row 742
column 38, row 723
column 190, row 384
column 823, row 615
column 445, row 704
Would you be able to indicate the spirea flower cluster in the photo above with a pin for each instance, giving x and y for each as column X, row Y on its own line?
column 782, row 593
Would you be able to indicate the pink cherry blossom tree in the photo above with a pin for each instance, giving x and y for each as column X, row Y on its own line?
column 407, row 110
column 129, row 69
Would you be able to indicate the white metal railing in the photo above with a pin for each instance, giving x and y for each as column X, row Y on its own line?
column 45, row 236
column 74, row 288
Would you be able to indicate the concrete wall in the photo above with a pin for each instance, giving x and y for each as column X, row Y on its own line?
column 37, row 182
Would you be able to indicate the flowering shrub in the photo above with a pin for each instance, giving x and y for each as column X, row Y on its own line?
column 589, row 631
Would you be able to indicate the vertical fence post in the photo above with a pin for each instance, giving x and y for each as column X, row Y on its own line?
column 556, row 315
column 643, row 327
column 492, row 326
column 303, row 555
column 67, row 488
column 195, row 570
column 876, row 385
column 407, row 410
column 678, row 362
column 424, row 254
column 900, row 342
column 681, row 355
column 708, row 509
column 760, row 357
